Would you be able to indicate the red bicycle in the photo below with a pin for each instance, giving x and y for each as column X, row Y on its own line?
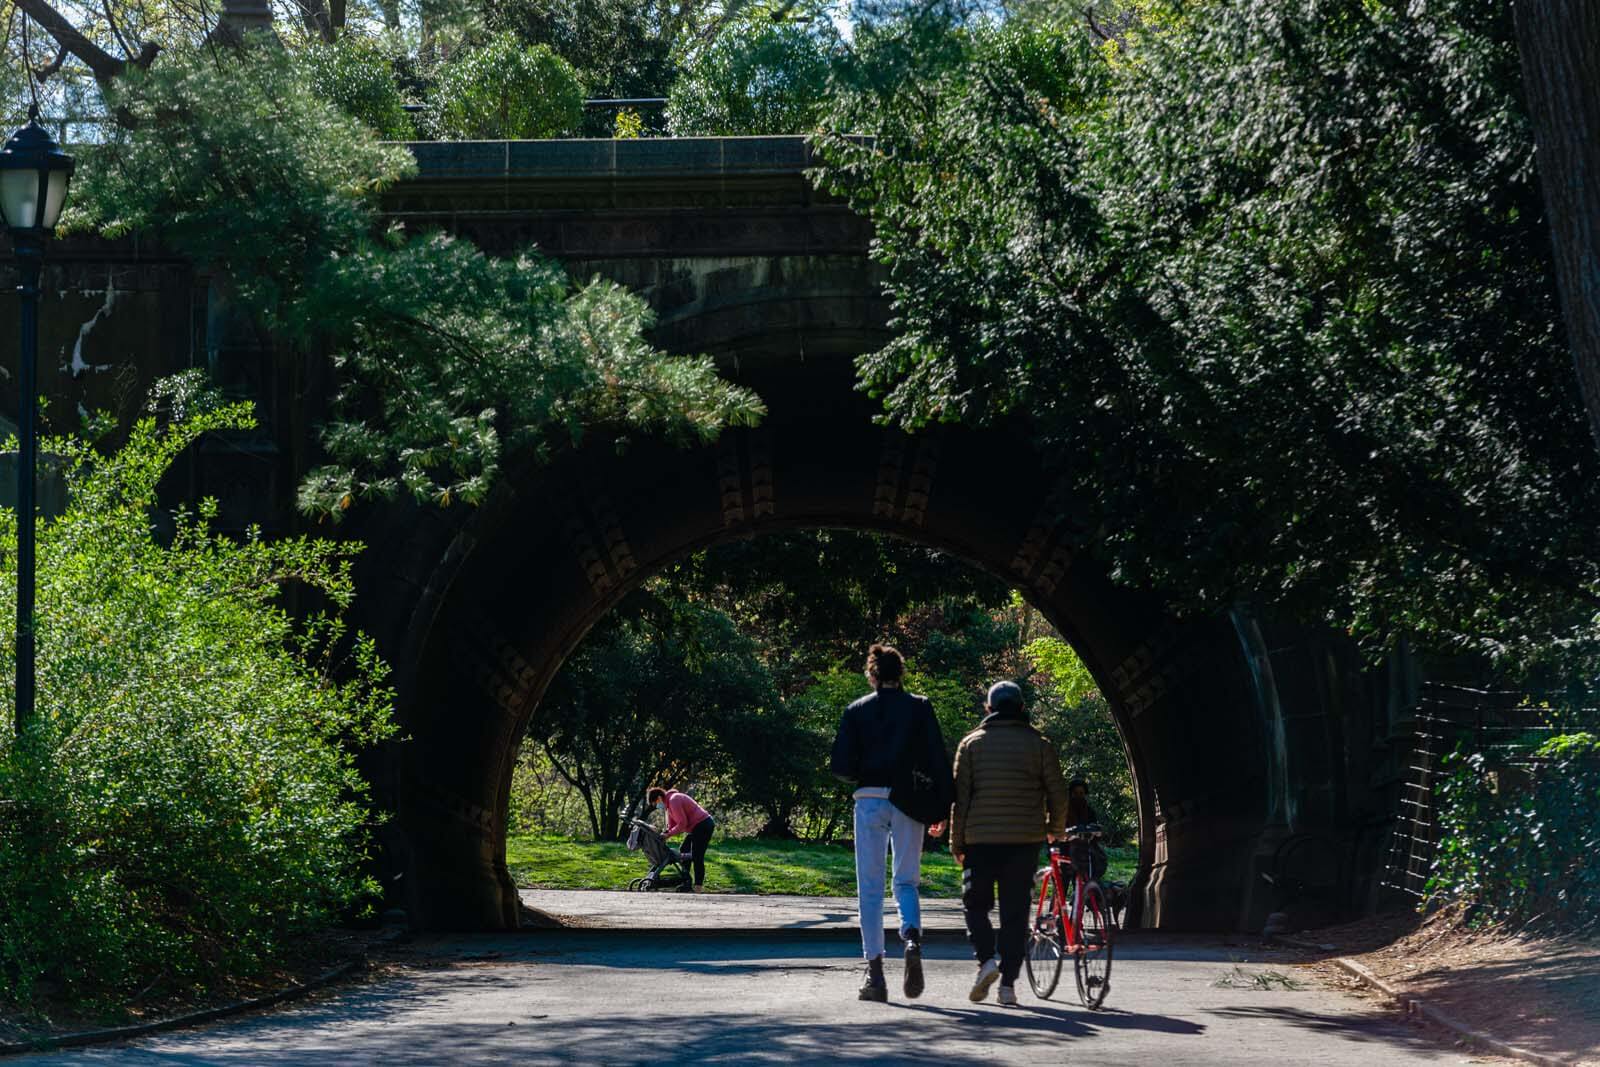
column 1079, row 925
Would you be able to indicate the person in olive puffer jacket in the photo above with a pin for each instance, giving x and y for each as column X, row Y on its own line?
column 1010, row 799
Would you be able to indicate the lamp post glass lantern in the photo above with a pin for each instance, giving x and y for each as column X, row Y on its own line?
column 33, row 189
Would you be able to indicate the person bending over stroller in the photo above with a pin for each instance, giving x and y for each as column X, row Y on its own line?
column 690, row 819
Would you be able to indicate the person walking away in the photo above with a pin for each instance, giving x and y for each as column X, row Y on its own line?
column 889, row 746
column 1010, row 798
column 686, row 817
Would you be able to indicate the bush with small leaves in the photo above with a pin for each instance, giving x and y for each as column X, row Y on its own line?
column 1518, row 844
column 506, row 90
column 755, row 79
column 357, row 75
column 627, row 125
column 184, row 803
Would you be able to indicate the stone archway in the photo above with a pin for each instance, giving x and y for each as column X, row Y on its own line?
column 500, row 599
column 1241, row 735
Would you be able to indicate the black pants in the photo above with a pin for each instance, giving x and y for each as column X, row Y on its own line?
column 1012, row 867
column 694, row 847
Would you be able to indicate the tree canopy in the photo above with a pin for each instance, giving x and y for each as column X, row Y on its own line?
column 443, row 357
column 1270, row 283
column 729, row 672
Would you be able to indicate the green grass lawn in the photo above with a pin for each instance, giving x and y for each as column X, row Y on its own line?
column 743, row 866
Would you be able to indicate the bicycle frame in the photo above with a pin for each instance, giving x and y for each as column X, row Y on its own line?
column 1060, row 865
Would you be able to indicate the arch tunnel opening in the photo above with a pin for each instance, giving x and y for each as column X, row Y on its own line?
column 1242, row 735
column 725, row 674
column 485, row 608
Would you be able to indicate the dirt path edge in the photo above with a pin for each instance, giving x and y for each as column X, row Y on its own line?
column 1417, row 1006
column 195, row 1018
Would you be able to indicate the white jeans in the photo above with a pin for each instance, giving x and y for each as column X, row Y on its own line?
column 881, row 826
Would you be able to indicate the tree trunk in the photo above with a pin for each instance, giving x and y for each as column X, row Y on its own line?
column 777, row 827
column 101, row 63
column 1559, row 42
column 317, row 19
column 594, row 818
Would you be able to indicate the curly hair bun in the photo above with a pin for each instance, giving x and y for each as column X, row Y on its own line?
column 885, row 663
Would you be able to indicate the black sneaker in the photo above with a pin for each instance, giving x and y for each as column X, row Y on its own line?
column 914, row 984
column 873, row 987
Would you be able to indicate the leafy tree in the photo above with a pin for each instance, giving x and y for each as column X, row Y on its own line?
column 184, row 805
column 206, row 164
column 356, row 74
column 649, row 697
column 619, row 48
column 444, row 356
column 506, row 90
column 1069, row 709
column 757, row 77
column 777, row 757
column 804, row 606
column 1271, row 286
column 817, row 599
column 631, row 48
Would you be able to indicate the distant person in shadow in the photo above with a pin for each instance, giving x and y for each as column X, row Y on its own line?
column 1080, row 812
column 1010, row 799
column 890, row 748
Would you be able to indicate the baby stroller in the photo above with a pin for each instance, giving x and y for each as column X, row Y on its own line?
column 645, row 838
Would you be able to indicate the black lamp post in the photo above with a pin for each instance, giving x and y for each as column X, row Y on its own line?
column 33, row 189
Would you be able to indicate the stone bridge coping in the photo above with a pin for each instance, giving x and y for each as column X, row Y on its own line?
column 650, row 157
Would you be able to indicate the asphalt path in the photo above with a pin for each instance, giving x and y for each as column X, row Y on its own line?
column 637, row 998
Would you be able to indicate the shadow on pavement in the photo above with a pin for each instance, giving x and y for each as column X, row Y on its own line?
column 1062, row 1022
column 352, row 1031
column 1332, row 1024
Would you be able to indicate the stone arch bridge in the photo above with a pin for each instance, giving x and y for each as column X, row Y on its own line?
column 1256, row 749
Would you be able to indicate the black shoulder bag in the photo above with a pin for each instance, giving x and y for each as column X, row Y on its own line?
column 922, row 787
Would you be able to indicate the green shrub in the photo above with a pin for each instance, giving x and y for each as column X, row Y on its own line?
column 628, row 125
column 504, row 90
column 755, row 79
column 357, row 75
column 184, row 801
column 1519, row 843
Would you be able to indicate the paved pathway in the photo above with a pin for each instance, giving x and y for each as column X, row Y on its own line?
column 597, row 909
column 571, row 998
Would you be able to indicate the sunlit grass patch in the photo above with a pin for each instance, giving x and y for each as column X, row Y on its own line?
column 732, row 866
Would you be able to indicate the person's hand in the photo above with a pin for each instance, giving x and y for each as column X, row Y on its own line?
column 960, row 858
column 935, row 829
column 1049, row 838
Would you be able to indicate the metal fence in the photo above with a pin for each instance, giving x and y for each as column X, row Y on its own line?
column 1506, row 728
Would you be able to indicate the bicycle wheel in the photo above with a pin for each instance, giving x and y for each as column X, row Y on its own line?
column 1093, row 964
column 1046, row 942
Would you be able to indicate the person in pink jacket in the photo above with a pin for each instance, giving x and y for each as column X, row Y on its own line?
column 690, row 819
